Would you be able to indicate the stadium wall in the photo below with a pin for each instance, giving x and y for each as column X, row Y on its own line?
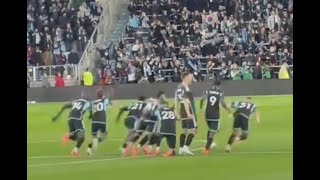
column 132, row 91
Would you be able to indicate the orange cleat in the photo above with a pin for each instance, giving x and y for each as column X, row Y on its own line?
column 65, row 139
column 126, row 151
column 135, row 152
column 205, row 152
column 156, row 153
column 146, row 150
column 170, row 153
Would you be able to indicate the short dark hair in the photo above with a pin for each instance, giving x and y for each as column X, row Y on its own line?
column 141, row 98
column 184, row 75
column 160, row 93
column 100, row 93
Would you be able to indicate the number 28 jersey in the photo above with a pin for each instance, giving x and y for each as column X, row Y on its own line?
column 78, row 108
column 213, row 97
column 100, row 110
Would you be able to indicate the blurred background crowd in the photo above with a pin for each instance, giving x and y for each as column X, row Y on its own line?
column 228, row 39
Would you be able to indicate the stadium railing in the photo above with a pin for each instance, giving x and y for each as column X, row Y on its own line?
column 69, row 71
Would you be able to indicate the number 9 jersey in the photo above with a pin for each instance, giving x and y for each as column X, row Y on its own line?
column 213, row 97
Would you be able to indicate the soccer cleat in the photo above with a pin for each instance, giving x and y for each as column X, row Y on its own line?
column 89, row 152
column 65, row 139
column 146, row 150
column 135, row 152
column 75, row 153
column 228, row 148
column 213, row 144
column 186, row 150
column 205, row 152
column 181, row 152
column 156, row 153
column 126, row 151
column 170, row 153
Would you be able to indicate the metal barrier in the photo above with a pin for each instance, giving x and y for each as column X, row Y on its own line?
column 37, row 72
column 104, row 28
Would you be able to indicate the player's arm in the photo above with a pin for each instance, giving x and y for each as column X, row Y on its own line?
column 256, row 114
column 121, row 111
column 66, row 106
column 224, row 104
column 177, row 106
column 203, row 98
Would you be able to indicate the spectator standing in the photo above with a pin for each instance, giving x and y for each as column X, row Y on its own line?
column 87, row 78
column 45, row 81
column 59, row 80
column 73, row 57
column 284, row 72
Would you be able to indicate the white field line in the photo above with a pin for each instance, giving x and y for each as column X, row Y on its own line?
column 260, row 96
column 123, row 158
column 55, row 141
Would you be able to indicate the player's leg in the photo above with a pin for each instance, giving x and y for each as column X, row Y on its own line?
column 157, row 139
column 183, row 135
column 213, row 129
column 80, row 134
column 71, row 135
column 236, row 133
column 192, row 128
column 129, row 123
column 171, row 141
column 245, row 129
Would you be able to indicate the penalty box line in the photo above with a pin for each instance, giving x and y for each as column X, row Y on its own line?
column 124, row 158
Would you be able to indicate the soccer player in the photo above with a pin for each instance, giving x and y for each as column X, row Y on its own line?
column 75, row 118
column 166, row 128
column 147, row 126
column 185, row 108
column 98, row 113
column 244, row 109
column 135, row 112
column 213, row 97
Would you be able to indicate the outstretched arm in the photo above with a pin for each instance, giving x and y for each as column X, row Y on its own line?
column 66, row 106
column 122, row 110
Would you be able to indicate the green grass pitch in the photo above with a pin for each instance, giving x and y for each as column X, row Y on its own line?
column 268, row 153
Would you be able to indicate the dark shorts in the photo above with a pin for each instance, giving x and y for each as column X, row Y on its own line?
column 213, row 125
column 75, row 125
column 129, row 122
column 151, row 127
column 241, row 122
column 140, row 126
column 98, row 127
column 188, row 123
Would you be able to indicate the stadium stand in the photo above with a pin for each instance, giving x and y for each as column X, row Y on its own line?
column 58, row 32
column 243, row 39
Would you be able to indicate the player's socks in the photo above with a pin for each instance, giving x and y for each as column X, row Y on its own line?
column 209, row 141
column 72, row 137
column 231, row 139
column 95, row 142
column 143, row 141
column 182, row 140
column 189, row 139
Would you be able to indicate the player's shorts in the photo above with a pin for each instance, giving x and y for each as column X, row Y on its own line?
column 140, row 126
column 187, row 123
column 129, row 122
column 213, row 125
column 75, row 125
column 241, row 122
column 150, row 126
column 97, row 127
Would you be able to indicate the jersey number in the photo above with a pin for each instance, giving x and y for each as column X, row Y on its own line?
column 212, row 100
column 150, row 107
column 77, row 105
column 168, row 115
column 99, row 107
column 245, row 105
column 137, row 107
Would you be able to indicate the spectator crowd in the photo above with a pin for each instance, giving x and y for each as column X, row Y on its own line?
column 58, row 32
column 229, row 39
